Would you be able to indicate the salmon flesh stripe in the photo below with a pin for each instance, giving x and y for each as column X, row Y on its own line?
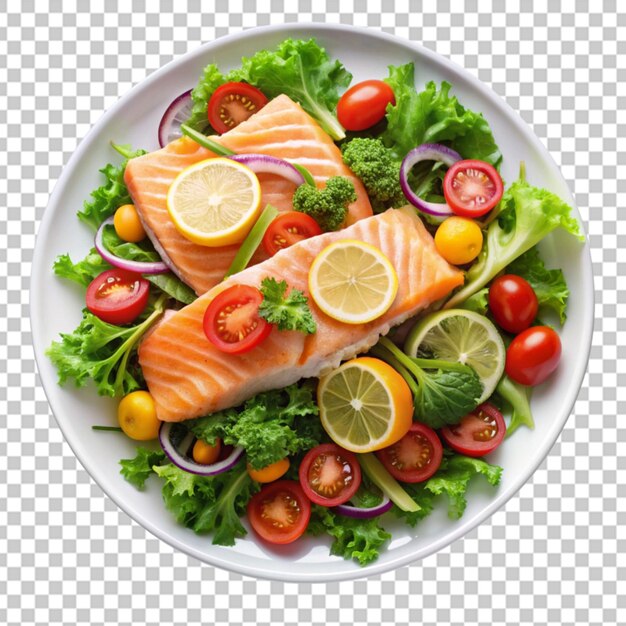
column 189, row 377
column 281, row 129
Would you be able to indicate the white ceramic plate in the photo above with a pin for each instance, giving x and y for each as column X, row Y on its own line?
column 56, row 306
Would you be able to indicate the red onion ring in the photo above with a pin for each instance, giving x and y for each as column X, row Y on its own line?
column 178, row 454
column 175, row 115
column 364, row 513
column 140, row 267
column 265, row 164
column 426, row 152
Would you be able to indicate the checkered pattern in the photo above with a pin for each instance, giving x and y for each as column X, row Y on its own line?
column 552, row 555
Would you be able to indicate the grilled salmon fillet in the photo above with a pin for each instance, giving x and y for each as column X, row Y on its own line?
column 189, row 377
column 281, row 129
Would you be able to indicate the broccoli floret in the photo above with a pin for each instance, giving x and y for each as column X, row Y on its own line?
column 377, row 169
column 328, row 206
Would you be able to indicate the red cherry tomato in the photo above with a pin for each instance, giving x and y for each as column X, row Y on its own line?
column 513, row 303
column 364, row 104
column 287, row 229
column 533, row 355
column 232, row 322
column 233, row 103
column 329, row 474
column 118, row 296
column 472, row 188
column 280, row 512
column 416, row 457
column 478, row 433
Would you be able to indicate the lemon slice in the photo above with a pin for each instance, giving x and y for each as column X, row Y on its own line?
column 215, row 202
column 352, row 281
column 365, row 405
column 463, row 336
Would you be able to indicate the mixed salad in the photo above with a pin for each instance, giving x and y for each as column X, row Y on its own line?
column 444, row 390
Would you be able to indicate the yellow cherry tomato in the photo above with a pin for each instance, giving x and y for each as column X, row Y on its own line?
column 271, row 472
column 136, row 414
column 127, row 224
column 459, row 240
column 206, row 454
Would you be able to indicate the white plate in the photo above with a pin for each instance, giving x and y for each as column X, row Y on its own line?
column 56, row 306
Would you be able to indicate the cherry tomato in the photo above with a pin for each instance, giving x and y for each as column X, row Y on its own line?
column 287, row 229
column 137, row 416
column 127, row 224
column 329, row 474
column 117, row 296
column 459, row 240
column 533, row 355
column 478, row 433
column 232, row 322
column 513, row 303
column 416, row 457
column 364, row 104
column 233, row 103
column 205, row 453
column 280, row 512
column 472, row 188
column 271, row 472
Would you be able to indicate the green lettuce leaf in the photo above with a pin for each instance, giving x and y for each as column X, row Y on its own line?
column 359, row 539
column 81, row 272
column 452, row 479
column 269, row 426
column 528, row 214
column 208, row 504
column 137, row 470
column 109, row 196
column 172, row 286
column 433, row 116
column 549, row 285
column 142, row 251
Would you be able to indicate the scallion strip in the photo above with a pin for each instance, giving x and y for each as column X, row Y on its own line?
column 252, row 241
column 307, row 175
column 204, row 141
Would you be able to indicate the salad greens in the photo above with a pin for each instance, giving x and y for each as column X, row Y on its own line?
column 517, row 397
column 269, row 426
column 81, row 272
column 113, row 194
column 443, row 392
column 103, row 352
column 287, row 312
column 433, row 116
column 300, row 69
column 528, row 214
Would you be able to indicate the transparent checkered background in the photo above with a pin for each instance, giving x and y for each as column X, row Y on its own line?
column 553, row 555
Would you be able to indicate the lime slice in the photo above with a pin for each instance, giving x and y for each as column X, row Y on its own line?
column 463, row 336
column 365, row 405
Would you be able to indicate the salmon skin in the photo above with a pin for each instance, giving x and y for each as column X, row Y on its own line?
column 189, row 377
column 281, row 129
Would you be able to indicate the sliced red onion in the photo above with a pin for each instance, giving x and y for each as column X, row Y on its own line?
column 179, row 454
column 140, row 267
column 362, row 513
column 265, row 164
column 426, row 152
column 176, row 114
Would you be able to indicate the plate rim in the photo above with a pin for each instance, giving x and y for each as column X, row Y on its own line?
column 464, row 526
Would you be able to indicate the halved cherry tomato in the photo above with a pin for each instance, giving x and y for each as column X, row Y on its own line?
column 478, row 433
column 117, row 296
column 232, row 322
column 329, row 474
column 364, row 104
column 513, row 303
column 289, row 228
column 280, row 512
column 233, row 103
column 416, row 457
column 472, row 188
column 533, row 355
